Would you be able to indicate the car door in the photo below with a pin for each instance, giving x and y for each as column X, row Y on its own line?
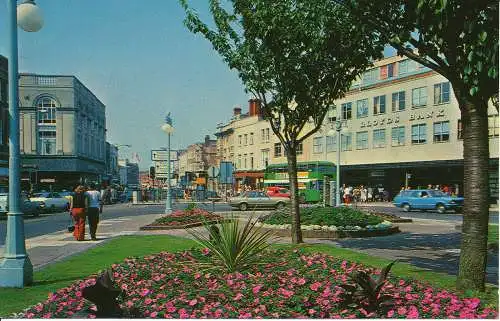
column 59, row 201
column 264, row 200
column 27, row 207
column 413, row 199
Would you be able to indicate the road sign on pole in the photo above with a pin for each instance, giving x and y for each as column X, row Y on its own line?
column 162, row 155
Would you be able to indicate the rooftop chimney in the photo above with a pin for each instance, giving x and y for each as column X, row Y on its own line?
column 236, row 111
column 254, row 107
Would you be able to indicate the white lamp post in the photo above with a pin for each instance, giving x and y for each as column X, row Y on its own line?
column 16, row 269
column 169, row 129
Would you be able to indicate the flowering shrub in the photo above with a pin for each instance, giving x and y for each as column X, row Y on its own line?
column 185, row 217
column 325, row 216
column 332, row 228
column 287, row 285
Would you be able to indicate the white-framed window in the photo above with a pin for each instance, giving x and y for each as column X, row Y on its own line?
column 442, row 93
column 300, row 148
column 362, row 140
column 379, row 138
column 346, row 110
column 406, row 66
column 419, row 134
column 379, row 105
column 317, row 145
column 331, row 143
column 346, row 142
column 442, row 131
column 246, row 139
column 251, row 138
column 398, row 136
column 251, row 160
column 277, row 150
column 245, row 156
column 398, row 101
column 362, row 108
column 239, row 140
column 493, row 125
column 264, row 158
column 267, row 135
column 332, row 113
column 370, row 75
column 46, row 110
column 419, row 97
column 47, row 140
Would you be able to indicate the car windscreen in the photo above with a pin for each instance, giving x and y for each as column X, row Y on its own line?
column 40, row 195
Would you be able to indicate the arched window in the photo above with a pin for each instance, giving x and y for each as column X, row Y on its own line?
column 46, row 108
column 46, row 114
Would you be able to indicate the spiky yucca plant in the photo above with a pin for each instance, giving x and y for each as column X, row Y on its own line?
column 234, row 246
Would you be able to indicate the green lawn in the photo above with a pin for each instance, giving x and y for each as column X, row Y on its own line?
column 492, row 233
column 64, row 273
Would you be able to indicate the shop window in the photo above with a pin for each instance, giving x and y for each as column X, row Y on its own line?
column 362, row 108
column 378, row 138
column 441, row 93
column 362, row 140
column 419, row 134
column 442, row 132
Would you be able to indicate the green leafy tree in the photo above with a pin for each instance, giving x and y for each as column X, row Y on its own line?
column 295, row 56
column 459, row 40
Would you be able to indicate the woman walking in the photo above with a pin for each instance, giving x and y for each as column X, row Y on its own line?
column 78, row 203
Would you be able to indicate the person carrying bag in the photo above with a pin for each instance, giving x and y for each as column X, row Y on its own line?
column 78, row 204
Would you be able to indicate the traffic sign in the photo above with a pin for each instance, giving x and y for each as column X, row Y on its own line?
column 162, row 155
column 213, row 172
column 161, row 167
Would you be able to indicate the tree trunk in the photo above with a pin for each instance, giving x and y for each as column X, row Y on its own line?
column 294, row 194
column 473, row 250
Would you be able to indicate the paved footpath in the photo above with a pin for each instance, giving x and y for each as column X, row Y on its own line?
column 429, row 244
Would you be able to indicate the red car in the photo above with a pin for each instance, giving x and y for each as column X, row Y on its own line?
column 275, row 191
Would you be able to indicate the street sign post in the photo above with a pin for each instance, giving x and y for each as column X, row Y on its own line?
column 162, row 155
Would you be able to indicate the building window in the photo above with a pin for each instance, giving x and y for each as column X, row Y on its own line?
column 419, row 97
column 246, row 139
column 239, row 161
column 398, row 101
column 245, row 161
column 46, row 108
column 346, row 111
column 418, row 134
column 239, row 140
column 277, row 149
column 378, row 138
column 362, row 108
column 251, row 160
column 264, row 159
column 300, row 148
column 251, row 138
column 441, row 93
column 263, row 135
column 406, row 66
column 267, row 135
column 442, row 131
column 317, row 145
column 346, row 142
column 460, row 129
column 493, row 125
column 370, row 75
column 398, row 136
column 331, row 143
column 362, row 140
column 47, row 140
column 379, row 105
column 387, row 71
column 332, row 113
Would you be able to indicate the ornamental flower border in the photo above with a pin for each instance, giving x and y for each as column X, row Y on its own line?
column 334, row 232
column 211, row 218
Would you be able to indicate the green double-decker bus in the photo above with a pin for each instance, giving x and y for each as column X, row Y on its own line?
column 309, row 174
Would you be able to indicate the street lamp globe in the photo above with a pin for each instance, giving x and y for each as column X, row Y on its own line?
column 167, row 128
column 29, row 16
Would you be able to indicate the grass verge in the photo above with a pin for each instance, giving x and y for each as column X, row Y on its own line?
column 492, row 233
column 77, row 267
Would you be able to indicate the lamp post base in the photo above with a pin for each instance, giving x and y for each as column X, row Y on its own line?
column 16, row 272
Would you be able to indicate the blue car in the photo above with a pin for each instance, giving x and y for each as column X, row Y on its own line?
column 427, row 199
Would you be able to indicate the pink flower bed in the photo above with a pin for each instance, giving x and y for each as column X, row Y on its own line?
column 287, row 285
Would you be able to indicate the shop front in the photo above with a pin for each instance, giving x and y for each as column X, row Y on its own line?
column 248, row 180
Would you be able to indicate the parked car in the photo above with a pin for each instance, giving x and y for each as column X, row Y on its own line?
column 51, row 201
column 66, row 194
column 28, row 207
column 275, row 191
column 256, row 199
column 428, row 199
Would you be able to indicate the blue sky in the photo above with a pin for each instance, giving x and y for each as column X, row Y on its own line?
column 140, row 61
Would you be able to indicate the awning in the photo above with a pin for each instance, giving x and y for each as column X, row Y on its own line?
column 286, row 181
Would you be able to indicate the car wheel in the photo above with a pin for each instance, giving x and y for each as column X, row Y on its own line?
column 280, row 206
column 243, row 206
column 36, row 213
column 406, row 207
column 441, row 208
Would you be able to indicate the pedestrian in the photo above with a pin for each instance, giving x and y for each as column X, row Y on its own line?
column 78, row 204
column 364, row 194
column 94, row 207
column 347, row 198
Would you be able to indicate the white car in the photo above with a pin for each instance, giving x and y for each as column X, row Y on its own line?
column 51, row 201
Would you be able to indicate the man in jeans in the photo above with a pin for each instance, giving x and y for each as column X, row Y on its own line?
column 94, row 208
